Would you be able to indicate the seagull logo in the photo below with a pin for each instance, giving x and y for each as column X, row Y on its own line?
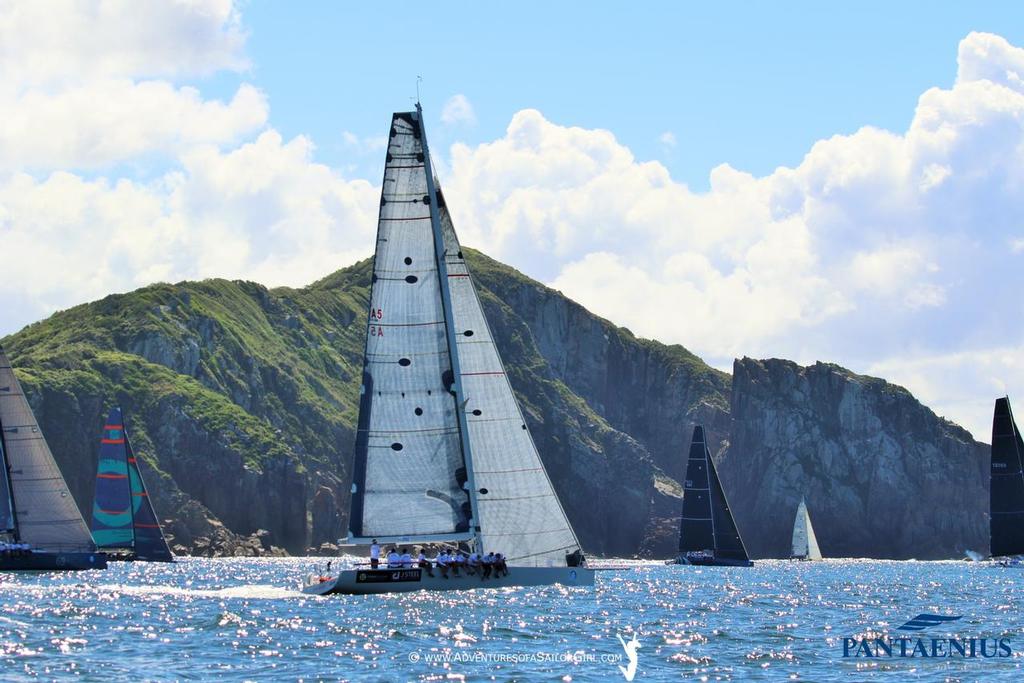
column 629, row 671
column 923, row 621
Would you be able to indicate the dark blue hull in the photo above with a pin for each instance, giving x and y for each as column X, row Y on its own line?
column 129, row 556
column 50, row 562
column 712, row 562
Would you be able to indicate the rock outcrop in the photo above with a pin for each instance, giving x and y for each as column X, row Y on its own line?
column 882, row 474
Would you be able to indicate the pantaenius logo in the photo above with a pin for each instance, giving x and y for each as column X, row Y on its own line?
column 971, row 647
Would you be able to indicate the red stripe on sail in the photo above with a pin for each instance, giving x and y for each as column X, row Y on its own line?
column 114, row 441
column 112, row 476
column 131, row 459
column 143, row 493
column 109, row 427
column 114, row 512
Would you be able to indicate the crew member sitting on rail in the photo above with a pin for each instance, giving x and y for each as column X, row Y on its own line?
column 486, row 565
column 374, row 554
column 500, row 568
column 406, row 559
column 424, row 563
column 442, row 560
column 473, row 563
column 455, row 562
column 394, row 559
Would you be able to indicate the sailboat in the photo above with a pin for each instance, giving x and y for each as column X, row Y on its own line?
column 443, row 456
column 707, row 532
column 805, row 544
column 124, row 524
column 41, row 527
column 1006, row 493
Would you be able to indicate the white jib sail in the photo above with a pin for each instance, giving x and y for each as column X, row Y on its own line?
column 520, row 514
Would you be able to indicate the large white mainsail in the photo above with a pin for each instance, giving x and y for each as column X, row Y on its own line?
column 46, row 515
column 409, row 463
column 805, row 544
column 466, row 463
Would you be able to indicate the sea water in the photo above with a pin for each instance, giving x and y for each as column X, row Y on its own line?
column 245, row 619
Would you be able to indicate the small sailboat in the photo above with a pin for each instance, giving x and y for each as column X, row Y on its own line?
column 443, row 456
column 124, row 524
column 805, row 544
column 1006, row 493
column 707, row 532
column 41, row 527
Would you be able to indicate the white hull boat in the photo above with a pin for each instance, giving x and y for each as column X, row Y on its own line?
column 369, row 581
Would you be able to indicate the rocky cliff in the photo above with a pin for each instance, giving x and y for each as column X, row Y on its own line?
column 882, row 474
column 242, row 402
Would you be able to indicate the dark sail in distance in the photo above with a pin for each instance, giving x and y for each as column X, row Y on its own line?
column 1006, row 501
column 707, row 523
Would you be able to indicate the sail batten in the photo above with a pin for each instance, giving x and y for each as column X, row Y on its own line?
column 44, row 511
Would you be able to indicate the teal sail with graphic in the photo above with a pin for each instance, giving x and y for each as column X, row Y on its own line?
column 122, row 515
column 112, row 515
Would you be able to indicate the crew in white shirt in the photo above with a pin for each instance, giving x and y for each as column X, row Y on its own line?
column 458, row 561
column 394, row 559
column 487, row 564
column 374, row 554
column 442, row 561
column 424, row 563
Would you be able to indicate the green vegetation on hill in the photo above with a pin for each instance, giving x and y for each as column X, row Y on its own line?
column 243, row 399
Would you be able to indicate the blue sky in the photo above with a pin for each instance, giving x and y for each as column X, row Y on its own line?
column 797, row 180
column 751, row 84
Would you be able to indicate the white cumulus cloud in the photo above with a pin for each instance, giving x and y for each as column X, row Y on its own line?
column 879, row 246
column 86, row 85
column 48, row 42
column 458, row 109
column 263, row 211
column 97, row 86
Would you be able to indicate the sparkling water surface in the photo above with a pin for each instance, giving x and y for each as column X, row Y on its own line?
column 244, row 619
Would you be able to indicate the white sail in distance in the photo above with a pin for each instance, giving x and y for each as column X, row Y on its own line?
column 805, row 544
column 46, row 515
